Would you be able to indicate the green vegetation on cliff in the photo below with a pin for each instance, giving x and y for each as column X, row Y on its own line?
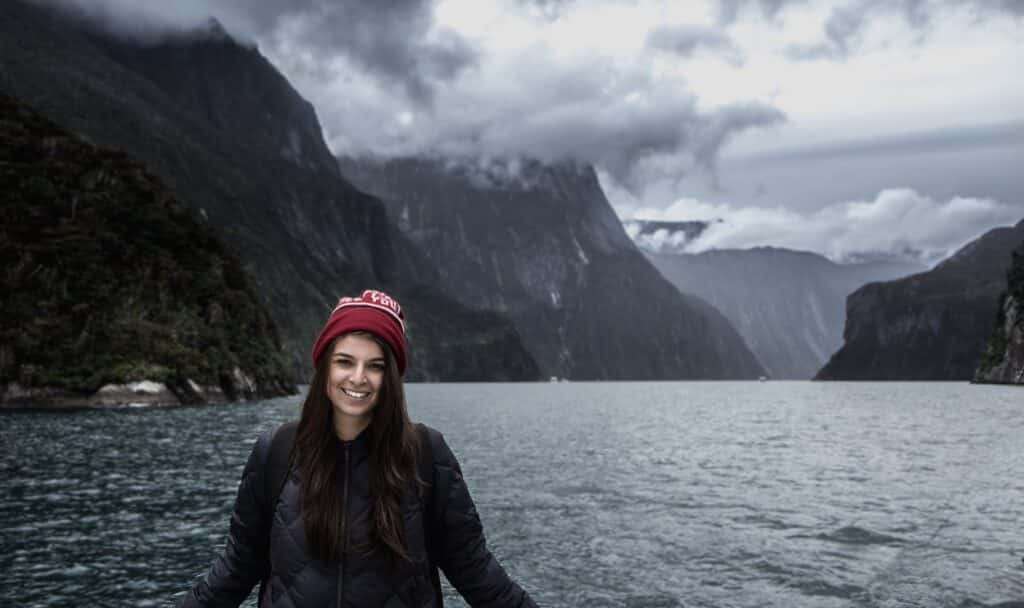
column 108, row 279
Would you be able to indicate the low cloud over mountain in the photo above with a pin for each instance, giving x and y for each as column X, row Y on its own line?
column 899, row 222
column 647, row 91
column 394, row 41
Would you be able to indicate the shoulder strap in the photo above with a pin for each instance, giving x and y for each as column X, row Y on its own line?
column 425, row 466
column 278, row 464
column 275, row 472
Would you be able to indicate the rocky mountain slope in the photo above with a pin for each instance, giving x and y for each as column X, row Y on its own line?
column 789, row 306
column 541, row 244
column 109, row 281
column 933, row 325
column 1003, row 361
column 237, row 145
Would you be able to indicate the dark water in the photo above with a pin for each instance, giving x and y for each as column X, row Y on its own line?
column 615, row 494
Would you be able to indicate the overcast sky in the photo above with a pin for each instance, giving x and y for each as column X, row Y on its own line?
column 765, row 113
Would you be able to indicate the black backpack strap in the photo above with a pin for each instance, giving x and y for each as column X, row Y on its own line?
column 278, row 464
column 425, row 468
column 275, row 473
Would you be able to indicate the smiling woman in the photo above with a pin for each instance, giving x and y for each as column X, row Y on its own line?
column 370, row 506
column 354, row 382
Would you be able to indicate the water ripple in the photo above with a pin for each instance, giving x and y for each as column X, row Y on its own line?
column 616, row 494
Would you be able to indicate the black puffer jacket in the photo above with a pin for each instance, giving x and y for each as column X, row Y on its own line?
column 257, row 549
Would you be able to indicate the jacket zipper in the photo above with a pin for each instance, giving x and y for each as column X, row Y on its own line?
column 344, row 527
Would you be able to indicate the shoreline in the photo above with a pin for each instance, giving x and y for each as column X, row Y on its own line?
column 141, row 394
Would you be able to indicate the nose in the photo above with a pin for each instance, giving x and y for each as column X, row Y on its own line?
column 359, row 374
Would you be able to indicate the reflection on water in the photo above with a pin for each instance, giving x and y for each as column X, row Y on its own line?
column 593, row 494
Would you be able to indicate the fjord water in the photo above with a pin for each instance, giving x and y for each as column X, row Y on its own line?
column 592, row 494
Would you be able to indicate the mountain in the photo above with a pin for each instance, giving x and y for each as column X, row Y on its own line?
column 237, row 145
column 110, row 281
column 933, row 325
column 1003, row 361
column 541, row 244
column 788, row 305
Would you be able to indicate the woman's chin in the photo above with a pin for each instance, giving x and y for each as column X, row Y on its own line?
column 353, row 408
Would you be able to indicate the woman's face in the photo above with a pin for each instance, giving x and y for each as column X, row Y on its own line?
column 353, row 382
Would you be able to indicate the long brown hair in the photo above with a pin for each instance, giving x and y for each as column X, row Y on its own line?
column 392, row 463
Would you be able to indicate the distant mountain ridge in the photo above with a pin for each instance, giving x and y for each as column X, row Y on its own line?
column 789, row 306
column 544, row 246
column 235, row 143
column 934, row 325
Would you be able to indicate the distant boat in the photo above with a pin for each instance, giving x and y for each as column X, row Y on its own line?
column 762, row 378
column 553, row 379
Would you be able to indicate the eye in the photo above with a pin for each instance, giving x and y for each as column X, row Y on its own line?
column 377, row 366
column 342, row 362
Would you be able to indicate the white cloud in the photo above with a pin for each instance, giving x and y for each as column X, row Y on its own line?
column 897, row 221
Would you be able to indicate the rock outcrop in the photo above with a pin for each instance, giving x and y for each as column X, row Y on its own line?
column 541, row 244
column 934, row 325
column 1003, row 361
column 113, row 293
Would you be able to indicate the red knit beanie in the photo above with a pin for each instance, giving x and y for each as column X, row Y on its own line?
column 375, row 312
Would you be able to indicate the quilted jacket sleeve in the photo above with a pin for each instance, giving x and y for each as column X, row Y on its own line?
column 463, row 555
column 244, row 562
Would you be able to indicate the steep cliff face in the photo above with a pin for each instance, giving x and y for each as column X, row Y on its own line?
column 930, row 326
column 112, row 291
column 542, row 245
column 789, row 306
column 234, row 90
column 236, row 144
column 1003, row 361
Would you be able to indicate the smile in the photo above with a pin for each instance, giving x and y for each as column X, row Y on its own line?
column 355, row 394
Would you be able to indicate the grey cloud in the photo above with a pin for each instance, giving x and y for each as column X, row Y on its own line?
column 686, row 39
column 1015, row 7
column 990, row 8
column 388, row 39
column 549, row 9
column 628, row 123
column 609, row 132
column 957, row 137
column 632, row 146
column 712, row 134
column 980, row 162
column 846, row 24
column 141, row 23
column 917, row 13
column 386, row 82
column 897, row 222
column 842, row 30
column 729, row 10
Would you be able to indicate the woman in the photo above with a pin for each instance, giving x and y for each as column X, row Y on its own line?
column 353, row 519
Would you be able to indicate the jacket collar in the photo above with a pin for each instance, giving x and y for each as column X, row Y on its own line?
column 357, row 448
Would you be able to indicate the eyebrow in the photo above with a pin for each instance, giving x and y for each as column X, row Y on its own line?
column 343, row 354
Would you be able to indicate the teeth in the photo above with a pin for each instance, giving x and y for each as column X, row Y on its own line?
column 354, row 394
